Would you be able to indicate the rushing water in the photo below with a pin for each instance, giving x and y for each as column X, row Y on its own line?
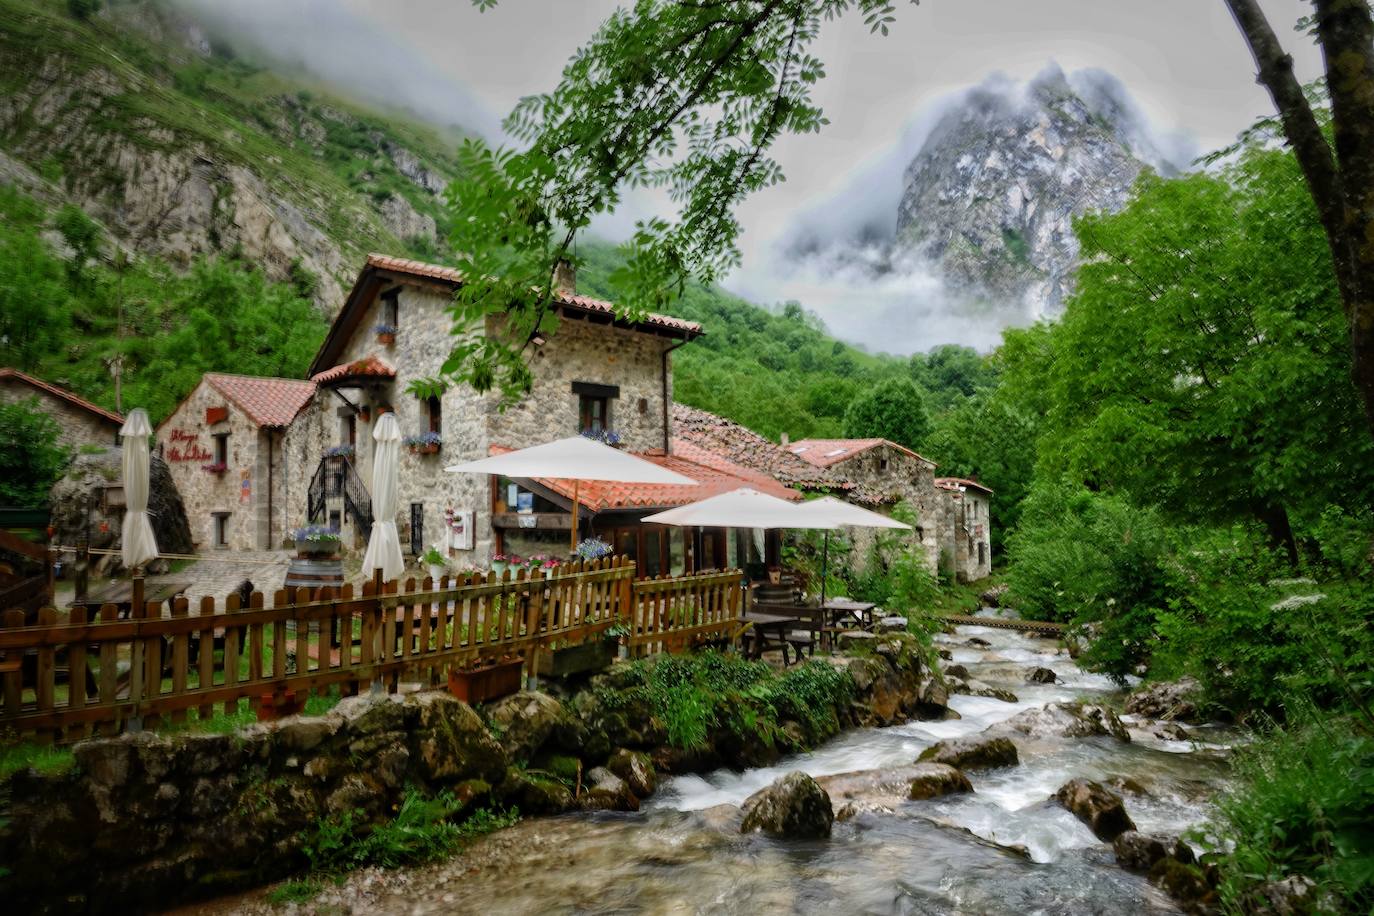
column 683, row 853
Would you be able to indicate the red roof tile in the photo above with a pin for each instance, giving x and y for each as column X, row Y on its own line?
column 272, row 402
column 62, row 393
column 451, row 276
column 825, row 452
column 370, row 366
column 713, row 473
column 954, row 483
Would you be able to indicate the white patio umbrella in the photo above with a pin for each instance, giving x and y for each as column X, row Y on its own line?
column 742, row 508
column 138, row 544
column 384, row 546
column 838, row 514
column 576, row 458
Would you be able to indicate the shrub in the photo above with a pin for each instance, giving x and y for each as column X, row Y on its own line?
column 83, row 9
column 423, row 830
column 31, row 460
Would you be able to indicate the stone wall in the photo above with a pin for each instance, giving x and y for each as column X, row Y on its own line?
column 907, row 479
column 187, row 444
column 76, row 427
column 964, row 525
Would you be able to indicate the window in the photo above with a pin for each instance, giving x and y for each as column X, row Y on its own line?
column 221, row 448
column 593, row 414
column 982, row 554
column 221, row 523
column 882, row 464
column 335, row 520
column 351, row 429
column 391, row 307
column 435, row 409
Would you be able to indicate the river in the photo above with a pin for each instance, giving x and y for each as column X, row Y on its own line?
column 683, row 853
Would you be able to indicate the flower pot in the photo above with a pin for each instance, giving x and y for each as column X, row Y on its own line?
column 424, row 449
column 386, row 340
column 436, row 572
column 499, row 566
column 594, row 655
column 317, row 548
column 272, row 706
column 487, row 682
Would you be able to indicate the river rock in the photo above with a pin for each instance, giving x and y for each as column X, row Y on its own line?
column 1140, row 851
column 978, row 688
column 1293, row 896
column 451, row 741
column 795, row 806
column 1097, row 806
column 1040, row 676
column 940, row 779
column 1171, row 731
column 944, row 654
column 608, row 792
column 972, row 753
column 958, row 671
column 854, row 639
column 637, row 769
column 892, row 624
column 992, row 597
column 525, row 721
column 535, row 794
column 885, row 790
column 1167, row 700
column 1067, row 720
column 977, row 642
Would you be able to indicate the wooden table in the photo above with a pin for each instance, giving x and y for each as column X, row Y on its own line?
column 770, row 632
column 121, row 594
column 861, row 612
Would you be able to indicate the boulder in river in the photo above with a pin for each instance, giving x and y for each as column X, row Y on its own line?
column 992, row 597
column 525, row 721
column 1166, row 700
column 1140, row 851
column 886, row 789
column 958, row 671
column 1097, row 806
column 794, row 806
column 1040, row 676
column 936, row 780
column 608, row 792
column 637, row 769
column 972, row 753
column 977, row 688
column 1171, row 731
column 1067, row 720
column 977, row 642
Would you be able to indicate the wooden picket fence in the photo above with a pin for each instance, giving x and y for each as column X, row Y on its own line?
column 68, row 679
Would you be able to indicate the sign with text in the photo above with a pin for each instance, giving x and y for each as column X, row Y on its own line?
column 185, row 446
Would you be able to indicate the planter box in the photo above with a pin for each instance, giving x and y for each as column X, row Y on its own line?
column 595, row 655
column 487, row 683
column 318, row 549
column 424, row 449
column 386, row 340
column 272, row 706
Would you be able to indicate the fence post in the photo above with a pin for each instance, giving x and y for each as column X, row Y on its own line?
column 534, row 613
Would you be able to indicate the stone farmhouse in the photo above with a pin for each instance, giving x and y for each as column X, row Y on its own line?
column 889, row 474
column 965, row 526
column 79, row 421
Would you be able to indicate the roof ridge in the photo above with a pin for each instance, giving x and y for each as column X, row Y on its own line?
column 60, row 392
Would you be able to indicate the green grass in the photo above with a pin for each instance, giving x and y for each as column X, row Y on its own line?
column 299, row 891
column 44, row 758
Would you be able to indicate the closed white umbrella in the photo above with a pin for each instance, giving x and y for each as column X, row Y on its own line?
column 384, row 546
column 841, row 514
column 742, row 508
column 575, row 458
column 138, row 544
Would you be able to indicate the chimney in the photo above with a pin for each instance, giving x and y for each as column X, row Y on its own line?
column 784, row 439
column 564, row 278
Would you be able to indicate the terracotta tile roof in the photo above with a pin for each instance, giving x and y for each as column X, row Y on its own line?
column 585, row 303
column 713, row 473
column 749, row 449
column 272, row 402
column 370, row 366
column 62, row 393
column 954, row 483
column 825, row 452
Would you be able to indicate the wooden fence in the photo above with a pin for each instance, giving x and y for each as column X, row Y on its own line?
column 64, row 679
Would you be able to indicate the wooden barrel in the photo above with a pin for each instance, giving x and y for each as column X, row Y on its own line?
column 315, row 572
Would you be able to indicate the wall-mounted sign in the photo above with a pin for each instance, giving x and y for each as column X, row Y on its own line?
column 215, row 415
column 245, row 487
column 529, row 521
column 458, row 529
column 185, row 446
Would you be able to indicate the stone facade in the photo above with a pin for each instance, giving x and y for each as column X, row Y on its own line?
column 965, row 528
column 79, row 422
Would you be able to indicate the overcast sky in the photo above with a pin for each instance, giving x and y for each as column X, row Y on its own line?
column 1182, row 61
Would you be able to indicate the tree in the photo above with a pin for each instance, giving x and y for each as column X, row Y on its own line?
column 895, row 410
column 30, row 458
column 1341, row 181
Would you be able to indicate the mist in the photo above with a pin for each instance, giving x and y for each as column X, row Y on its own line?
column 839, row 257
column 357, row 56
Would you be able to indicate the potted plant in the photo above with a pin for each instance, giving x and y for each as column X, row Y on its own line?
column 486, row 680
column 604, row 436
column 339, row 451
column 619, row 636
column 423, row 444
column 500, row 563
column 218, row 467
column 437, row 563
column 316, row 541
column 386, row 334
column 593, row 548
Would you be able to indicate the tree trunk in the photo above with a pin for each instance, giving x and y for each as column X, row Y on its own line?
column 1342, row 185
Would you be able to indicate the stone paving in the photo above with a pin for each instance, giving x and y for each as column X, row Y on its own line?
column 220, row 574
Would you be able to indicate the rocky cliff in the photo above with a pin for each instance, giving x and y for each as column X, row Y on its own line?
column 990, row 198
column 181, row 148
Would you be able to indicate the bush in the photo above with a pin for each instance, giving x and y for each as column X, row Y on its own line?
column 31, row 461
column 1303, row 804
column 83, row 9
column 423, row 830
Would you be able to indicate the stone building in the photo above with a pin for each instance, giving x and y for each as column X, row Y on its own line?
column 79, row 421
column 237, row 448
column 885, row 474
column 965, row 526
column 596, row 372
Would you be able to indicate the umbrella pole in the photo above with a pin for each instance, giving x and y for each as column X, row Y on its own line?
column 573, row 545
column 825, row 563
column 136, row 672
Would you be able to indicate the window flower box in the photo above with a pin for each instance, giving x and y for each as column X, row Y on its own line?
column 605, row 437
column 339, row 451
column 386, row 334
column 486, row 682
column 426, row 444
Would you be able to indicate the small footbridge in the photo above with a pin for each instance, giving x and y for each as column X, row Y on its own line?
column 1038, row 627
